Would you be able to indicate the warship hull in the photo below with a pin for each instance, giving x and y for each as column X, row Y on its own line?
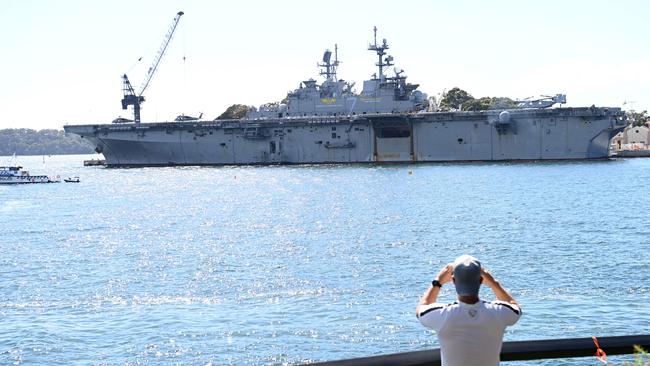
column 524, row 134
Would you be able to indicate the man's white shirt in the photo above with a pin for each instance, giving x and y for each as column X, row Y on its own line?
column 470, row 334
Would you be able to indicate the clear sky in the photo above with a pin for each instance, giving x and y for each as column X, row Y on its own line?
column 62, row 61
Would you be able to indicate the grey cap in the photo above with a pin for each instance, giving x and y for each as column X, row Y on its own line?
column 467, row 275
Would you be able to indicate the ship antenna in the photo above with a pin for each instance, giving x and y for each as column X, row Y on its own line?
column 336, row 60
column 375, row 30
column 336, row 54
column 381, row 51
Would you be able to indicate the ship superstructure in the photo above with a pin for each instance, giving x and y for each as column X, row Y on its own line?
column 387, row 121
column 334, row 97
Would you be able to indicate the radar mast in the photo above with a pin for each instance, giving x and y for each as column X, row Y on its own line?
column 381, row 51
column 329, row 67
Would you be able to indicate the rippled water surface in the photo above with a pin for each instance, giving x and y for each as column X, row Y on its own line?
column 287, row 265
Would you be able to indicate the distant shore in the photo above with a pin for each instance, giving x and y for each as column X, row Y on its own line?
column 25, row 141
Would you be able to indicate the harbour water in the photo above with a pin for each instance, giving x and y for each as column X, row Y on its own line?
column 294, row 264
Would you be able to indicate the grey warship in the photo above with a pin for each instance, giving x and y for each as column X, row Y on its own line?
column 388, row 121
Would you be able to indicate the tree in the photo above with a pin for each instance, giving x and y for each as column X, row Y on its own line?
column 480, row 104
column 235, row 111
column 457, row 98
column 487, row 103
column 637, row 118
column 454, row 99
column 503, row 103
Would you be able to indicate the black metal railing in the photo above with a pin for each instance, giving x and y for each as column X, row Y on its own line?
column 512, row 351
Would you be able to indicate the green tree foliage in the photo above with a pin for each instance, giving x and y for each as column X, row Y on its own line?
column 480, row 104
column 637, row 118
column 235, row 111
column 454, row 99
column 24, row 141
column 486, row 103
column 502, row 103
column 457, row 97
column 641, row 357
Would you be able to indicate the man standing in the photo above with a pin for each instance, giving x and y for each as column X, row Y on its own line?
column 470, row 330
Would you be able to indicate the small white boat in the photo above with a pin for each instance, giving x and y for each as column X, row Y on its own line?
column 71, row 180
column 16, row 175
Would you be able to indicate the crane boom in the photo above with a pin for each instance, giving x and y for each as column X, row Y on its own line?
column 161, row 52
column 130, row 97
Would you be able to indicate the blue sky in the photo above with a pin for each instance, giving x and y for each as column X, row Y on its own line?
column 62, row 60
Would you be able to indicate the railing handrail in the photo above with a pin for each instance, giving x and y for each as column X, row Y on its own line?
column 511, row 351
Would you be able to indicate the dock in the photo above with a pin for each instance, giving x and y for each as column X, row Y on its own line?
column 95, row 162
column 639, row 153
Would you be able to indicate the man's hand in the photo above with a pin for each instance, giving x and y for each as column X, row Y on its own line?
column 488, row 280
column 431, row 295
column 445, row 274
column 499, row 291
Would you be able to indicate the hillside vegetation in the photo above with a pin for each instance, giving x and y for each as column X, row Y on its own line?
column 25, row 141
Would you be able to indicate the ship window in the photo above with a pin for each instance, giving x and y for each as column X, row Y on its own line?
column 272, row 147
column 289, row 130
column 460, row 141
column 333, row 135
column 223, row 144
column 334, row 129
column 319, row 142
